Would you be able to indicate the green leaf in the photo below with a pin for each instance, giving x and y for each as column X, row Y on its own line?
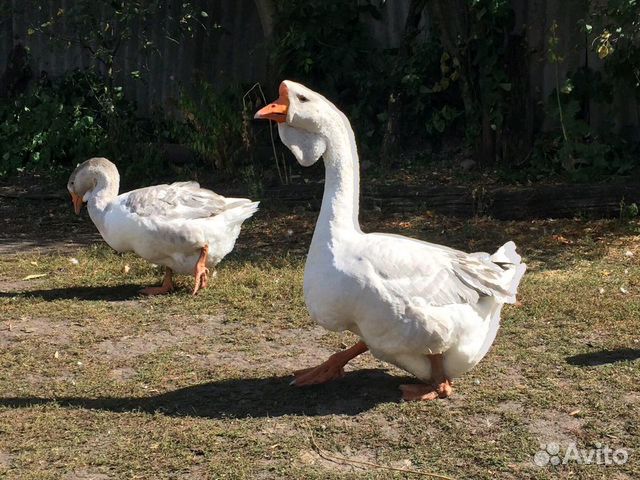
column 438, row 123
column 567, row 88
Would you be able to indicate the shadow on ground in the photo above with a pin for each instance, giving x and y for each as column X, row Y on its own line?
column 357, row 392
column 604, row 357
column 114, row 293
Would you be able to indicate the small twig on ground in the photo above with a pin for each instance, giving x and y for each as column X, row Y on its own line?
column 343, row 460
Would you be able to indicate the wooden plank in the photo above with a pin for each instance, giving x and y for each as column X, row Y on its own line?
column 504, row 203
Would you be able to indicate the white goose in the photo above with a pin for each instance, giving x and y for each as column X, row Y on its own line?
column 430, row 310
column 181, row 226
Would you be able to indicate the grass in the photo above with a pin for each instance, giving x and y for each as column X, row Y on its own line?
column 100, row 383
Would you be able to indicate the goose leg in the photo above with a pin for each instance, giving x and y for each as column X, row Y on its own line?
column 201, row 270
column 166, row 287
column 440, row 388
column 332, row 369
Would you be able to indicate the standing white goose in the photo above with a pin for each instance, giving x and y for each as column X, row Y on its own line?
column 431, row 310
column 181, row 226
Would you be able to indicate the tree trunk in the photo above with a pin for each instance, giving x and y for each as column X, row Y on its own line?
column 266, row 10
column 395, row 101
column 452, row 18
column 518, row 135
column 486, row 151
column 513, row 141
column 17, row 74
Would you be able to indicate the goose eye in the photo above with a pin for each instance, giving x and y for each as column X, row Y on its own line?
column 302, row 98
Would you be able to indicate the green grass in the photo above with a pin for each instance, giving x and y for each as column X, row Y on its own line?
column 98, row 382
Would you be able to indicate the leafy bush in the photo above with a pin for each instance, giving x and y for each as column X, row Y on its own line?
column 102, row 28
column 85, row 114
column 577, row 148
column 431, row 95
column 616, row 25
column 326, row 44
column 57, row 124
column 48, row 126
column 472, row 68
column 215, row 121
column 216, row 124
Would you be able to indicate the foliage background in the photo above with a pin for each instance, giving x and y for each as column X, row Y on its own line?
column 167, row 88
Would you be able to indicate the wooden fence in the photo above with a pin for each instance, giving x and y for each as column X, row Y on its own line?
column 234, row 49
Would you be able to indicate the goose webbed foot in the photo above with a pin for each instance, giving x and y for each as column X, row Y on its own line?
column 201, row 271
column 166, row 287
column 441, row 387
column 323, row 373
column 332, row 369
column 423, row 392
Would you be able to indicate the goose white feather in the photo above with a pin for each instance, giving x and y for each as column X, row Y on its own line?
column 405, row 298
column 165, row 224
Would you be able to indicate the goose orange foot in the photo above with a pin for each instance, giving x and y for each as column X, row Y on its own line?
column 421, row 392
column 201, row 271
column 323, row 373
column 166, row 287
column 440, row 388
column 332, row 369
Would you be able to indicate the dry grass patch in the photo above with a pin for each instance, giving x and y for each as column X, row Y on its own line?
column 101, row 383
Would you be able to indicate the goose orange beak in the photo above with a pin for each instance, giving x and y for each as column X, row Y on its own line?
column 77, row 202
column 276, row 111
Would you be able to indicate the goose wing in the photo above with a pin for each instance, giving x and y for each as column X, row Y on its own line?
column 435, row 274
column 184, row 200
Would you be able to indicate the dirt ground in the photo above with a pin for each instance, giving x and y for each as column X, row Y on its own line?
column 100, row 383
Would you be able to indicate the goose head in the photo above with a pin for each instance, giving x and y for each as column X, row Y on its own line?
column 89, row 176
column 306, row 121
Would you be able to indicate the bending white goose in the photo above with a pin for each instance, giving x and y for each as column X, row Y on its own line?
column 430, row 310
column 181, row 226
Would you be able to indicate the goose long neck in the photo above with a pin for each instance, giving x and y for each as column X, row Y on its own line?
column 106, row 189
column 340, row 202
